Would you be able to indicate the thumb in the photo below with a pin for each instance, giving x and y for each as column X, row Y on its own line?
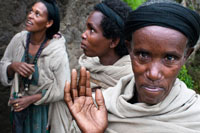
column 100, row 99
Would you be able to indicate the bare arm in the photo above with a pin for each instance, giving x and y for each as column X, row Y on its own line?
column 22, row 103
column 22, row 68
column 89, row 117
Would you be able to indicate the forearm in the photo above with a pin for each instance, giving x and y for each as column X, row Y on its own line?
column 36, row 97
column 10, row 71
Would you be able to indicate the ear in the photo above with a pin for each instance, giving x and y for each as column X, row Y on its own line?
column 49, row 23
column 128, row 46
column 188, row 53
column 114, row 42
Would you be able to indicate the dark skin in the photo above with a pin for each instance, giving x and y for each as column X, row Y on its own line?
column 89, row 117
column 157, row 55
column 37, row 23
column 95, row 44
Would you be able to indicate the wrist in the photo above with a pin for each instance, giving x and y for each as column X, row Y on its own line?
column 10, row 72
column 36, row 97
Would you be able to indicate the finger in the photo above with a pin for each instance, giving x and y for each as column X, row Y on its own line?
column 16, row 106
column 67, row 95
column 28, row 68
column 88, row 89
column 31, row 67
column 82, row 82
column 22, row 72
column 100, row 100
column 74, row 84
column 18, row 109
column 13, row 101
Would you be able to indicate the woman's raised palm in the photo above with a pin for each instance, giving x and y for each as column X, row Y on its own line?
column 90, row 117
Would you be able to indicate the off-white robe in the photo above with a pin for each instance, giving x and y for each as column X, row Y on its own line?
column 178, row 113
column 106, row 76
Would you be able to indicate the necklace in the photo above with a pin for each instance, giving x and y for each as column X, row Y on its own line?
column 27, row 80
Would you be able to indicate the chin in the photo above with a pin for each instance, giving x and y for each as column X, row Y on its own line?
column 151, row 100
column 89, row 55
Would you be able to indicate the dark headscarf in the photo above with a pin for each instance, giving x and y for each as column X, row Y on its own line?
column 170, row 15
column 107, row 11
column 53, row 14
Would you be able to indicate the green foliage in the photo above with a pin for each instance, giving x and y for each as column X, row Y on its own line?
column 186, row 78
column 134, row 3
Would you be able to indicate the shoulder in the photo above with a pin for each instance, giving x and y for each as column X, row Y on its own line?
column 18, row 40
column 55, row 47
column 20, row 35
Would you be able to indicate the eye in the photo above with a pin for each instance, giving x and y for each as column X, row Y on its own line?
column 92, row 30
column 37, row 14
column 170, row 58
column 143, row 56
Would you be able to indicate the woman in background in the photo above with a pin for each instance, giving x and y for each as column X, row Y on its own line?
column 33, row 64
column 105, row 54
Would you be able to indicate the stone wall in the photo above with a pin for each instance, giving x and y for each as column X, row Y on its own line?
column 13, row 15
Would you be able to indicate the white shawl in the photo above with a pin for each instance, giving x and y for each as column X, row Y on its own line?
column 106, row 76
column 178, row 113
column 53, row 67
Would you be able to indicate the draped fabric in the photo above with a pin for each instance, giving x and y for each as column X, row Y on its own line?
column 179, row 112
column 106, row 76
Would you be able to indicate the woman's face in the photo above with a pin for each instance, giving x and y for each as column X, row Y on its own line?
column 157, row 55
column 37, row 19
column 93, row 42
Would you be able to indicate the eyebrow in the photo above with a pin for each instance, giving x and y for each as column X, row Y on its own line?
column 90, row 25
column 173, row 53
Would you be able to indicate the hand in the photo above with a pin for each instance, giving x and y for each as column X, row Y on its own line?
column 57, row 35
column 89, row 117
column 21, row 68
column 25, row 101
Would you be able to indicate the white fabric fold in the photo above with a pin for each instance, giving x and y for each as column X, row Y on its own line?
column 178, row 113
column 106, row 76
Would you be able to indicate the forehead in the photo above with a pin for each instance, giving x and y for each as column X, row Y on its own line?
column 40, row 7
column 157, row 36
column 95, row 17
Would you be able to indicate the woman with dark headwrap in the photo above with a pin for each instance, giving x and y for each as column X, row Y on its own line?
column 33, row 64
column 105, row 54
column 160, row 38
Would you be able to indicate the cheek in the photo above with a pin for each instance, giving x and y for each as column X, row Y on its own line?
column 138, row 69
column 98, row 44
column 41, row 23
column 170, row 74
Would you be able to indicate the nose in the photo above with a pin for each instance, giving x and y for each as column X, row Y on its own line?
column 30, row 14
column 84, row 35
column 154, row 72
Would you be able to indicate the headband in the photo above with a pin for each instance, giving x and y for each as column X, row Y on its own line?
column 111, row 14
column 170, row 15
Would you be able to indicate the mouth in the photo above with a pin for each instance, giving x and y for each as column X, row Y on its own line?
column 28, row 22
column 153, row 88
column 83, row 46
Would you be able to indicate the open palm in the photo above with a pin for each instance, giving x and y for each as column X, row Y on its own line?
column 89, row 117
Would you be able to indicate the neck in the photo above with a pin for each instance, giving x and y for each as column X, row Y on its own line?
column 109, row 59
column 37, row 38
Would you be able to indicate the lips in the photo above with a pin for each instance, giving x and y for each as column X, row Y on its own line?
column 153, row 88
column 28, row 22
column 83, row 46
